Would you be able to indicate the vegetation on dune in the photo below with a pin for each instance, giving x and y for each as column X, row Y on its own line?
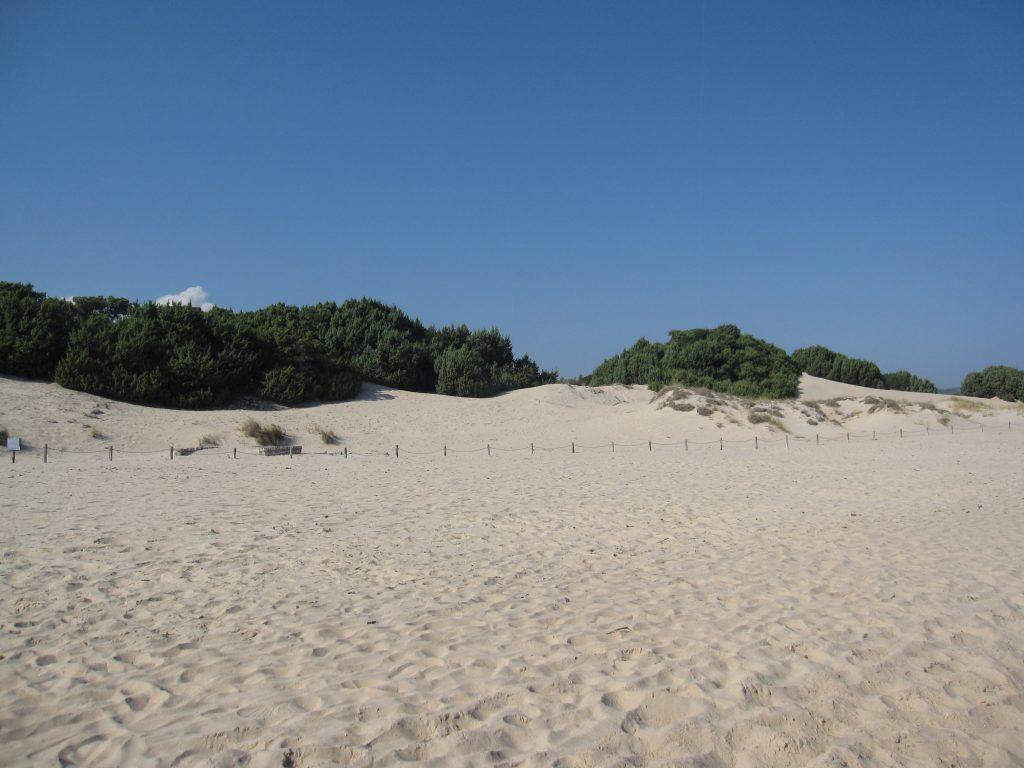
column 1000, row 381
column 722, row 359
column 905, row 381
column 263, row 434
column 824, row 363
column 180, row 356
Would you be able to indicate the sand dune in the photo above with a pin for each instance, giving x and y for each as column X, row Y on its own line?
column 851, row 603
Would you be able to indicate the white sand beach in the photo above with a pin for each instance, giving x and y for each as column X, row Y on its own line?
column 838, row 595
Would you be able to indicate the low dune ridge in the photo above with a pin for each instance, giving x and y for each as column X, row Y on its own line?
column 837, row 601
column 552, row 414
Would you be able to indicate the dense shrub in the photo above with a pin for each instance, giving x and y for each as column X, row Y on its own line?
column 182, row 357
column 462, row 371
column 826, row 364
column 995, row 381
column 905, row 381
column 721, row 358
column 33, row 331
column 834, row 366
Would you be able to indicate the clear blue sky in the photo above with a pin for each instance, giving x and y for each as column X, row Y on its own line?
column 578, row 174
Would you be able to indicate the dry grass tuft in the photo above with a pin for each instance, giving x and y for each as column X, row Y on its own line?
column 263, row 434
column 209, row 441
column 328, row 436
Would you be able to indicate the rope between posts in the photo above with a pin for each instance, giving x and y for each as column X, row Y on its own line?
column 609, row 447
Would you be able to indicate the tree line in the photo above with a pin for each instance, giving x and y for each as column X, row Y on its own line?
column 180, row 356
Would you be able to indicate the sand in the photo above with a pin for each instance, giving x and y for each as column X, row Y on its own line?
column 838, row 602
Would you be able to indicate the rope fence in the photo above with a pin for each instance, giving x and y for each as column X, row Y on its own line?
column 397, row 452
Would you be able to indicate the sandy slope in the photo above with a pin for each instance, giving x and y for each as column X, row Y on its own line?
column 857, row 602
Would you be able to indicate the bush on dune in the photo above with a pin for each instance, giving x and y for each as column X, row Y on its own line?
column 825, row 364
column 905, row 381
column 722, row 359
column 1000, row 381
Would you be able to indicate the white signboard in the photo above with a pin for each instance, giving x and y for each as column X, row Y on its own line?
column 13, row 443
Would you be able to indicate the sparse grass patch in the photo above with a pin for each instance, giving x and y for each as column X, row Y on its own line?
column 328, row 436
column 705, row 410
column 758, row 417
column 263, row 434
column 969, row 406
column 4, row 434
column 95, row 434
column 684, row 407
column 209, row 441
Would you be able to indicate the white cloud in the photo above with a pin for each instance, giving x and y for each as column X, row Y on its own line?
column 196, row 296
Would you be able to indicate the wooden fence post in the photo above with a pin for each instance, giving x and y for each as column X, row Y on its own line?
column 873, row 435
column 46, row 451
column 111, row 453
column 531, row 448
column 817, row 439
column 346, row 451
column 649, row 448
column 396, row 451
column 172, row 453
column 234, row 453
column 446, row 449
column 572, row 448
column 613, row 446
column 847, row 437
column 787, row 442
column 488, row 449
column 686, row 444
column 901, row 433
column 755, row 442
column 720, row 445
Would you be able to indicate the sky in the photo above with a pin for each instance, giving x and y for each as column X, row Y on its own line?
column 577, row 174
